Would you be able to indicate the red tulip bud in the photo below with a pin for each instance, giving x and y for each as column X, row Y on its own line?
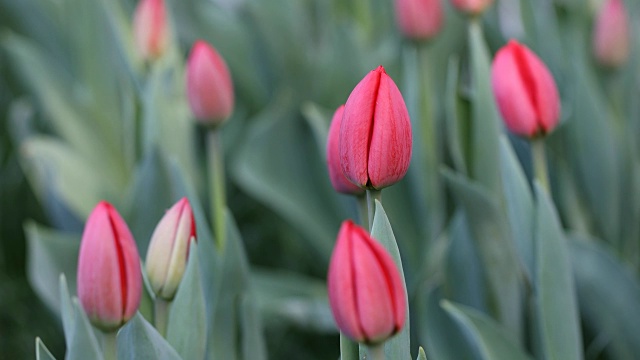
column 109, row 275
column 471, row 7
column 209, row 85
column 169, row 249
column 611, row 34
column 525, row 91
column 419, row 19
column 150, row 28
column 366, row 292
column 375, row 134
column 338, row 180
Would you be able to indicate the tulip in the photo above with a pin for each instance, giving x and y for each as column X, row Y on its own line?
column 611, row 34
column 419, row 19
column 338, row 180
column 150, row 28
column 375, row 134
column 366, row 292
column 169, row 249
column 472, row 7
column 525, row 91
column 209, row 86
column 109, row 275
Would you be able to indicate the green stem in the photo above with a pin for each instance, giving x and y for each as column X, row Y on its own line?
column 110, row 345
column 216, row 178
column 540, row 163
column 364, row 16
column 372, row 196
column 376, row 352
column 363, row 210
column 348, row 349
column 161, row 315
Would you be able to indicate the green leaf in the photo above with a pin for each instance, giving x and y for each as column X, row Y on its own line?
column 187, row 328
column 253, row 343
column 486, row 128
column 454, row 131
column 139, row 340
column 557, row 309
column 398, row 347
column 519, row 205
column 291, row 177
column 490, row 230
column 492, row 341
column 51, row 253
column 609, row 297
column 83, row 343
column 421, row 354
column 66, row 310
column 442, row 336
column 42, row 353
column 54, row 167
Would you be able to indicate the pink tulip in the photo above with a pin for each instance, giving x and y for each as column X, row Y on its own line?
column 366, row 292
column 611, row 34
column 209, row 85
column 525, row 91
column 150, row 28
column 375, row 134
column 338, row 180
column 472, row 7
column 419, row 19
column 109, row 275
column 169, row 249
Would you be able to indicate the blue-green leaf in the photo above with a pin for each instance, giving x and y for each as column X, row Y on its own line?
column 83, row 343
column 139, row 340
column 186, row 328
column 557, row 308
column 492, row 341
column 42, row 353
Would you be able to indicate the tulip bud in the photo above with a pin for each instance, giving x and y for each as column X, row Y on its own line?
column 209, row 86
column 169, row 249
column 338, row 180
column 419, row 19
column 366, row 292
column 375, row 134
column 150, row 28
column 109, row 275
column 472, row 7
column 611, row 34
column 525, row 91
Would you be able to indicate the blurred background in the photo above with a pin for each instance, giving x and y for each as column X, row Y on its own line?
column 83, row 118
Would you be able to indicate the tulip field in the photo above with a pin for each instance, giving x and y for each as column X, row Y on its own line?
column 320, row 179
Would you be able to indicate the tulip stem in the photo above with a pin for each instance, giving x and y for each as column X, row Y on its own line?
column 110, row 345
column 376, row 352
column 217, row 192
column 372, row 196
column 348, row 349
column 363, row 210
column 161, row 315
column 540, row 163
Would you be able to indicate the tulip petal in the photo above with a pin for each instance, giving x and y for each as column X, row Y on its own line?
column 338, row 180
column 356, row 128
column 390, row 148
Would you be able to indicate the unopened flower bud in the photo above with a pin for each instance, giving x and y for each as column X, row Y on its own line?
column 472, row 7
column 419, row 19
column 150, row 28
column 338, row 180
column 611, row 34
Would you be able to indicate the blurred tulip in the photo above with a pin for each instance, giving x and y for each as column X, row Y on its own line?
column 366, row 292
column 109, row 274
column 419, row 19
column 169, row 249
column 472, row 7
column 338, row 180
column 525, row 91
column 150, row 28
column 375, row 134
column 611, row 34
column 209, row 85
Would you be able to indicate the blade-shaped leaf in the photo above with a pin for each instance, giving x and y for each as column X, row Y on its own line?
column 187, row 328
column 83, row 343
column 398, row 347
column 492, row 341
column 42, row 353
column 253, row 343
column 557, row 308
column 139, row 340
